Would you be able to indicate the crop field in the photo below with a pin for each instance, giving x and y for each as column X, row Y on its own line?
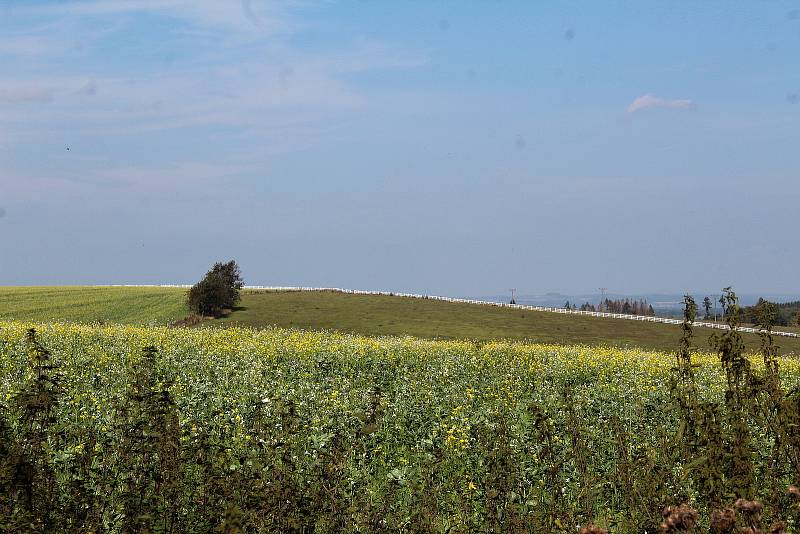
column 280, row 430
column 368, row 315
column 85, row 304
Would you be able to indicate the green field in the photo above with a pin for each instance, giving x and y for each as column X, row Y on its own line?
column 85, row 304
column 359, row 314
column 383, row 315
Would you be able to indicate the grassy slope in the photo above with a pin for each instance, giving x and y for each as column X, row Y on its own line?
column 378, row 315
column 369, row 315
column 127, row 305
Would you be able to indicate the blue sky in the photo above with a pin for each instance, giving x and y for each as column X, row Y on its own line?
column 445, row 147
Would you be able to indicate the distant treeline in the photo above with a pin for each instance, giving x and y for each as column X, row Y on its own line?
column 627, row 306
column 787, row 313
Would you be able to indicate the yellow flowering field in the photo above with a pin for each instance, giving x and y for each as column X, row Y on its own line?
column 283, row 430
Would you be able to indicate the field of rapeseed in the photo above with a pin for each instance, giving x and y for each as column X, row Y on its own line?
column 289, row 431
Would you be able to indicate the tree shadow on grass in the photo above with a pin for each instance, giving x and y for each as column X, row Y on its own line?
column 235, row 309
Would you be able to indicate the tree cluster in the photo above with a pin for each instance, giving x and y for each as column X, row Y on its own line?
column 787, row 313
column 218, row 291
column 627, row 306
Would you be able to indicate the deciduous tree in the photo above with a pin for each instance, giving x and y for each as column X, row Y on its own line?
column 217, row 291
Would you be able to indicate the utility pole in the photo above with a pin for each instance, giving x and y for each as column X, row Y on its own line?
column 512, row 296
column 602, row 297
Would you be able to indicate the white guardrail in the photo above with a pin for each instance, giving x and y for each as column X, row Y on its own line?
column 645, row 318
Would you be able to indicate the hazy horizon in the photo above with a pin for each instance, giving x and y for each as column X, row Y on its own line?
column 439, row 148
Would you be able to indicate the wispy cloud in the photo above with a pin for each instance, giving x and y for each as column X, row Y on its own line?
column 102, row 178
column 29, row 45
column 243, row 15
column 236, row 95
column 285, row 87
column 651, row 101
column 26, row 94
column 89, row 89
column 266, row 93
column 230, row 88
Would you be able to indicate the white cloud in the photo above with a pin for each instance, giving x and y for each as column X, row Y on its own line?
column 651, row 101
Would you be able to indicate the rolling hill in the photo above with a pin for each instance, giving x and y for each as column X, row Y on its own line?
column 362, row 314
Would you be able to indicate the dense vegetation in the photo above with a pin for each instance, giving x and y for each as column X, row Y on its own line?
column 627, row 306
column 786, row 313
column 137, row 429
column 218, row 291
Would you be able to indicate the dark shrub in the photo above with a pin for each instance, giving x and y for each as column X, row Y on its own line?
column 217, row 291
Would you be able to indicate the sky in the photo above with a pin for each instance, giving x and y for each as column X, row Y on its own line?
column 442, row 147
